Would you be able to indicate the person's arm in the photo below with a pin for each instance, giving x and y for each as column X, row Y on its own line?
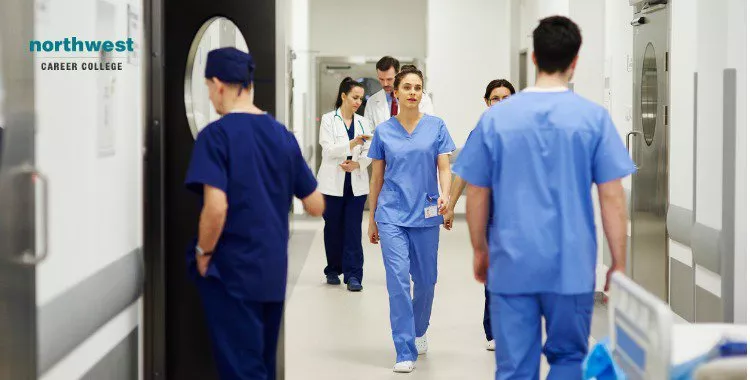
column 457, row 188
column 327, row 141
column 376, row 184
column 212, row 218
column 305, row 185
column 444, row 172
column 615, row 222
column 477, row 212
column 314, row 204
column 363, row 160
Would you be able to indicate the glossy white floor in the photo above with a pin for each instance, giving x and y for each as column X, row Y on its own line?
column 335, row 334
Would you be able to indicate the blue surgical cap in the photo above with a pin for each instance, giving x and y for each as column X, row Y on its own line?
column 230, row 65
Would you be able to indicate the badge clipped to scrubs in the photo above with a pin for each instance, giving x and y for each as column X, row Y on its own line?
column 431, row 211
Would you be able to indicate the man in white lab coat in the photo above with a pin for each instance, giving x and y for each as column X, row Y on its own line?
column 382, row 104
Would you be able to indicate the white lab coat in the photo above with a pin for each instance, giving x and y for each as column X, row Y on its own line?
column 378, row 110
column 335, row 143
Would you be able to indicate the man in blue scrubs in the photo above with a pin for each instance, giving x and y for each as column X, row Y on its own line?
column 246, row 166
column 538, row 154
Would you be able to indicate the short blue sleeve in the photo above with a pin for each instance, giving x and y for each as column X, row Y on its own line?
column 445, row 142
column 474, row 163
column 377, row 150
column 611, row 158
column 208, row 164
column 304, row 180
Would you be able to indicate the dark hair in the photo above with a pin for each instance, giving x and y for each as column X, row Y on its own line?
column 387, row 62
column 407, row 69
column 498, row 83
column 346, row 87
column 557, row 40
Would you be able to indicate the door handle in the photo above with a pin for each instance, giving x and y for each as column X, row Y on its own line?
column 38, row 255
column 627, row 144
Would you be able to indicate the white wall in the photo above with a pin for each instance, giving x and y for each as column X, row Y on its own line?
column 95, row 199
column 368, row 28
column 531, row 11
column 302, row 73
column 468, row 45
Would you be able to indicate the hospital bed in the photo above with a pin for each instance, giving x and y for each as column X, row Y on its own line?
column 645, row 343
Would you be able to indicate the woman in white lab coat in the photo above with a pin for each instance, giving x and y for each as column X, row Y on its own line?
column 344, row 181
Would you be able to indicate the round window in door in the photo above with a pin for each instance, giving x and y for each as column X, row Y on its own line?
column 215, row 33
column 649, row 94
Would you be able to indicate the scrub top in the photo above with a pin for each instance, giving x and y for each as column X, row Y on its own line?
column 410, row 170
column 258, row 164
column 540, row 153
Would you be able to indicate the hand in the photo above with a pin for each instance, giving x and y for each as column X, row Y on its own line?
column 358, row 140
column 372, row 232
column 443, row 203
column 349, row 166
column 481, row 263
column 202, row 263
column 614, row 268
column 448, row 218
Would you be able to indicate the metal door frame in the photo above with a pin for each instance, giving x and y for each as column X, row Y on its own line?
column 18, row 309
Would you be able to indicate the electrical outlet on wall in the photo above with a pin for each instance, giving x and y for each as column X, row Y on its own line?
column 629, row 63
column 628, row 112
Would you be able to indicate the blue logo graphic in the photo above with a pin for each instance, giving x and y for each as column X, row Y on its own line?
column 73, row 44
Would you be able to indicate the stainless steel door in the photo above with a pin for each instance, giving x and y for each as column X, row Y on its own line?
column 18, row 347
column 648, row 144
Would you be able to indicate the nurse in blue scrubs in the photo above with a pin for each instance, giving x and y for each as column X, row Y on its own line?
column 408, row 152
column 538, row 154
column 246, row 167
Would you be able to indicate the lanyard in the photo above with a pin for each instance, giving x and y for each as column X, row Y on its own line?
column 336, row 114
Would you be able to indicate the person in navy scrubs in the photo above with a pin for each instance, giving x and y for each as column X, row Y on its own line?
column 246, row 167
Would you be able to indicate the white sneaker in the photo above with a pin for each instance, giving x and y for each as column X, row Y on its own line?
column 421, row 343
column 491, row 345
column 404, row 367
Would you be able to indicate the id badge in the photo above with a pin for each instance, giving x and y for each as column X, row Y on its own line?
column 430, row 212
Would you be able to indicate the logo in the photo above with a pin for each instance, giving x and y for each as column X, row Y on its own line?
column 65, row 49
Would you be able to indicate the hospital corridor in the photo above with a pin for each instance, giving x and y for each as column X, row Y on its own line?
column 334, row 334
column 367, row 190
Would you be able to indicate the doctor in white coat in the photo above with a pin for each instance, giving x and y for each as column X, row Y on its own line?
column 345, row 183
column 382, row 105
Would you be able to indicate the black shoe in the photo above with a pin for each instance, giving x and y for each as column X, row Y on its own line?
column 353, row 285
column 333, row 279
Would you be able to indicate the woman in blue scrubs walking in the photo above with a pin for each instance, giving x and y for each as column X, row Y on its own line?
column 344, row 181
column 408, row 152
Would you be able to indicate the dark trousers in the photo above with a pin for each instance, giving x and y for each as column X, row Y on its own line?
column 343, row 234
column 487, row 324
column 244, row 334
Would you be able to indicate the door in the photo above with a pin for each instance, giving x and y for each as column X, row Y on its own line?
column 177, row 343
column 18, row 336
column 648, row 144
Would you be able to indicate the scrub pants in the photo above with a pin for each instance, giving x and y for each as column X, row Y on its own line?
column 409, row 250
column 518, row 334
column 342, row 233
column 244, row 333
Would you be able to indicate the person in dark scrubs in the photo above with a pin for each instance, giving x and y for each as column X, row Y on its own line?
column 497, row 90
column 246, row 167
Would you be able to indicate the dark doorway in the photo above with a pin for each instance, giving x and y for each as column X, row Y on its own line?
column 176, row 341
